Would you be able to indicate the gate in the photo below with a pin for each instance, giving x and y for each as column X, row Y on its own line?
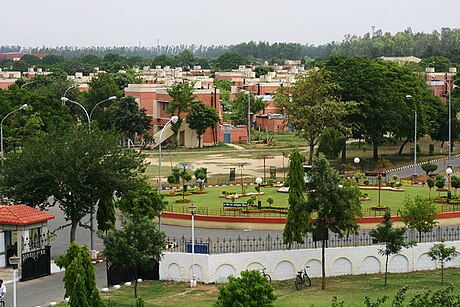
column 116, row 275
column 36, row 264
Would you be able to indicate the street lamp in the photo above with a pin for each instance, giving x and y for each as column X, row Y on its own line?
column 1, row 127
column 356, row 160
column 259, row 203
column 409, row 97
column 193, row 279
column 88, row 117
column 172, row 120
column 14, row 261
column 448, row 172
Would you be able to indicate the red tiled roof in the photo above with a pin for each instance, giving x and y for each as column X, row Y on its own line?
column 22, row 215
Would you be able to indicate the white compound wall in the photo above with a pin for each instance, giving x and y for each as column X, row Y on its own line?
column 282, row 265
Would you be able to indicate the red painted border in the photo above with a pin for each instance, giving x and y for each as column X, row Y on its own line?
column 280, row 220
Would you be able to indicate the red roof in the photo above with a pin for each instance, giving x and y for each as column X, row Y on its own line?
column 22, row 215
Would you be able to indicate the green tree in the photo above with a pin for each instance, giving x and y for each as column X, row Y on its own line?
column 140, row 239
column 429, row 168
column 73, row 169
column 102, row 87
column 105, row 215
column 200, row 118
column 392, row 237
column 251, row 290
column 440, row 182
column 430, row 182
column 331, row 142
column 182, row 96
column 142, row 200
column 312, row 107
column 419, row 214
column 455, row 183
column 441, row 253
column 230, row 60
column 263, row 70
column 295, row 229
column 202, row 175
column 239, row 107
column 79, row 277
column 125, row 116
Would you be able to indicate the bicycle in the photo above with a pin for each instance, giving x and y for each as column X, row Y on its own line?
column 302, row 279
column 268, row 277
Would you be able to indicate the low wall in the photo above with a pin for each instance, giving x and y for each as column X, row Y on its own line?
column 282, row 265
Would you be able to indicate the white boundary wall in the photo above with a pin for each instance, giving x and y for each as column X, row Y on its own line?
column 282, row 265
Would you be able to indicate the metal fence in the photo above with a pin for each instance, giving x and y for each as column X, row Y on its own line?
column 269, row 243
column 280, row 212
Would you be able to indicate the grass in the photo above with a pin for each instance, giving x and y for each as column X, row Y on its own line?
column 350, row 289
column 212, row 202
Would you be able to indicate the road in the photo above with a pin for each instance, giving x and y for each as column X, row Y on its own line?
column 408, row 170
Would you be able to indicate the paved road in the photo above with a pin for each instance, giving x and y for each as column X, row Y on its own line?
column 408, row 170
column 42, row 291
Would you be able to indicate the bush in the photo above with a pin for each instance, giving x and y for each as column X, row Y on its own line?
column 251, row 289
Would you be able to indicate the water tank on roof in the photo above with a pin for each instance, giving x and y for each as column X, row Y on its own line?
column 158, row 67
column 146, row 68
column 453, row 70
column 197, row 67
column 78, row 75
column 177, row 74
column 429, row 69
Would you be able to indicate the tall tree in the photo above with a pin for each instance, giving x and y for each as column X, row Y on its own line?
column 79, row 277
column 72, row 169
column 419, row 214
column 296, row 225
column 312, row 107
column 142, row 200
column 182, row 96
column 125, row 116
column 140, row 239
column 393, row 238
column 240, row 105
column 334, row 203
column 200, row 118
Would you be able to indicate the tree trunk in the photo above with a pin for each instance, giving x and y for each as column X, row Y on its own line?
column 73, row 231
column 323, row 265
column 442, row 272
column 135, row 283
column 344, row 153
column 310, row 154
column 376, row 152
column 402, row 146
column 386, row 270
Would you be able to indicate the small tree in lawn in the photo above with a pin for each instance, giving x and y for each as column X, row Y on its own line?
column 270, row 200
column 419, row 214
column 429, row 168
column 79, row 277
column 202, row 175
column 441, row 253
column 440, row 182
column 138, row 245
column 251, row 290
column 430, row 182
column 455, row 183
column 393, row 238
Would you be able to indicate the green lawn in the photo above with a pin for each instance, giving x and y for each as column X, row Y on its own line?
column 211, row 203
column 350, row 289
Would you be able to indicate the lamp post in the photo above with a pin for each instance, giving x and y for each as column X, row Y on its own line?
column 88, row 117
column 14, row 261
column 1, row 127
column 409, row 97
column 173, row 120
column 448, row 172
column 259, row 203
column 193, row 279
column 356, row 161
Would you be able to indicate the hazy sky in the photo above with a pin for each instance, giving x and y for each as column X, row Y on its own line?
column 213, row 22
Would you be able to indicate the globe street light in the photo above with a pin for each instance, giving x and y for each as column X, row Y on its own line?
column 193, row 279
column 259, row 203
column 172, row 120
column 1, row 127
column 448, row 172
column 409, row 97
column 356, row 160
column 14, row 261
column 88, row 117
